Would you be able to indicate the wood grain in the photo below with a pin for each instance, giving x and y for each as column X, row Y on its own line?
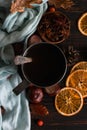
column 55, row 121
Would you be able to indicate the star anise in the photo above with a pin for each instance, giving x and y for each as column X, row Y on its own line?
column 72, row 55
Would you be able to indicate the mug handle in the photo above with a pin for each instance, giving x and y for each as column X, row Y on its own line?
column 21, row 86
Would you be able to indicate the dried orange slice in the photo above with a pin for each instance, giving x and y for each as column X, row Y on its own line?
column 79, row 65
column 68, row 101
column 82, row 24
column 78, row 80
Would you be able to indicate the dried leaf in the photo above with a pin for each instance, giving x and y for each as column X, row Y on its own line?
column 39, row 109
column 61, row 3
column 19, row 5
column 67, row 4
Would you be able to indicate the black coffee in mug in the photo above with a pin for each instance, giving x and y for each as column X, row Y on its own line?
column 48, row 64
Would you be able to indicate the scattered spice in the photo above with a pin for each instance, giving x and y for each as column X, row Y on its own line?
column 39, row 110
column 72, row 55
column 54, row 27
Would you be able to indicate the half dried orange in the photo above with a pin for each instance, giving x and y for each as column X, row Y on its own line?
column 79, row 65
column 78, row 80
column 82, row 24
column 68, row 101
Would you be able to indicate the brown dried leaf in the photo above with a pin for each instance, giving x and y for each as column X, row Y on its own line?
column 39, row 109
column 19, row 5
column 67, row 4
column 61, row 3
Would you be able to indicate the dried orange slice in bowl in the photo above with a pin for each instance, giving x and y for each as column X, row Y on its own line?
column 79, row 65
column 68, row 101
column 82, row 24
column 78, row 80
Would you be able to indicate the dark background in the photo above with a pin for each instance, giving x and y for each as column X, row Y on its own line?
column 55, row 121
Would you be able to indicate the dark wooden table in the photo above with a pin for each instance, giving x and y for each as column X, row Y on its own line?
column 55, row 121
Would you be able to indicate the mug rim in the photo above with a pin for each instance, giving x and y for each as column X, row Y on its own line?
column 24, row 54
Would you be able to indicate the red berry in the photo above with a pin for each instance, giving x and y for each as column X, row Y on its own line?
column 52, row 9
column 40, row 123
